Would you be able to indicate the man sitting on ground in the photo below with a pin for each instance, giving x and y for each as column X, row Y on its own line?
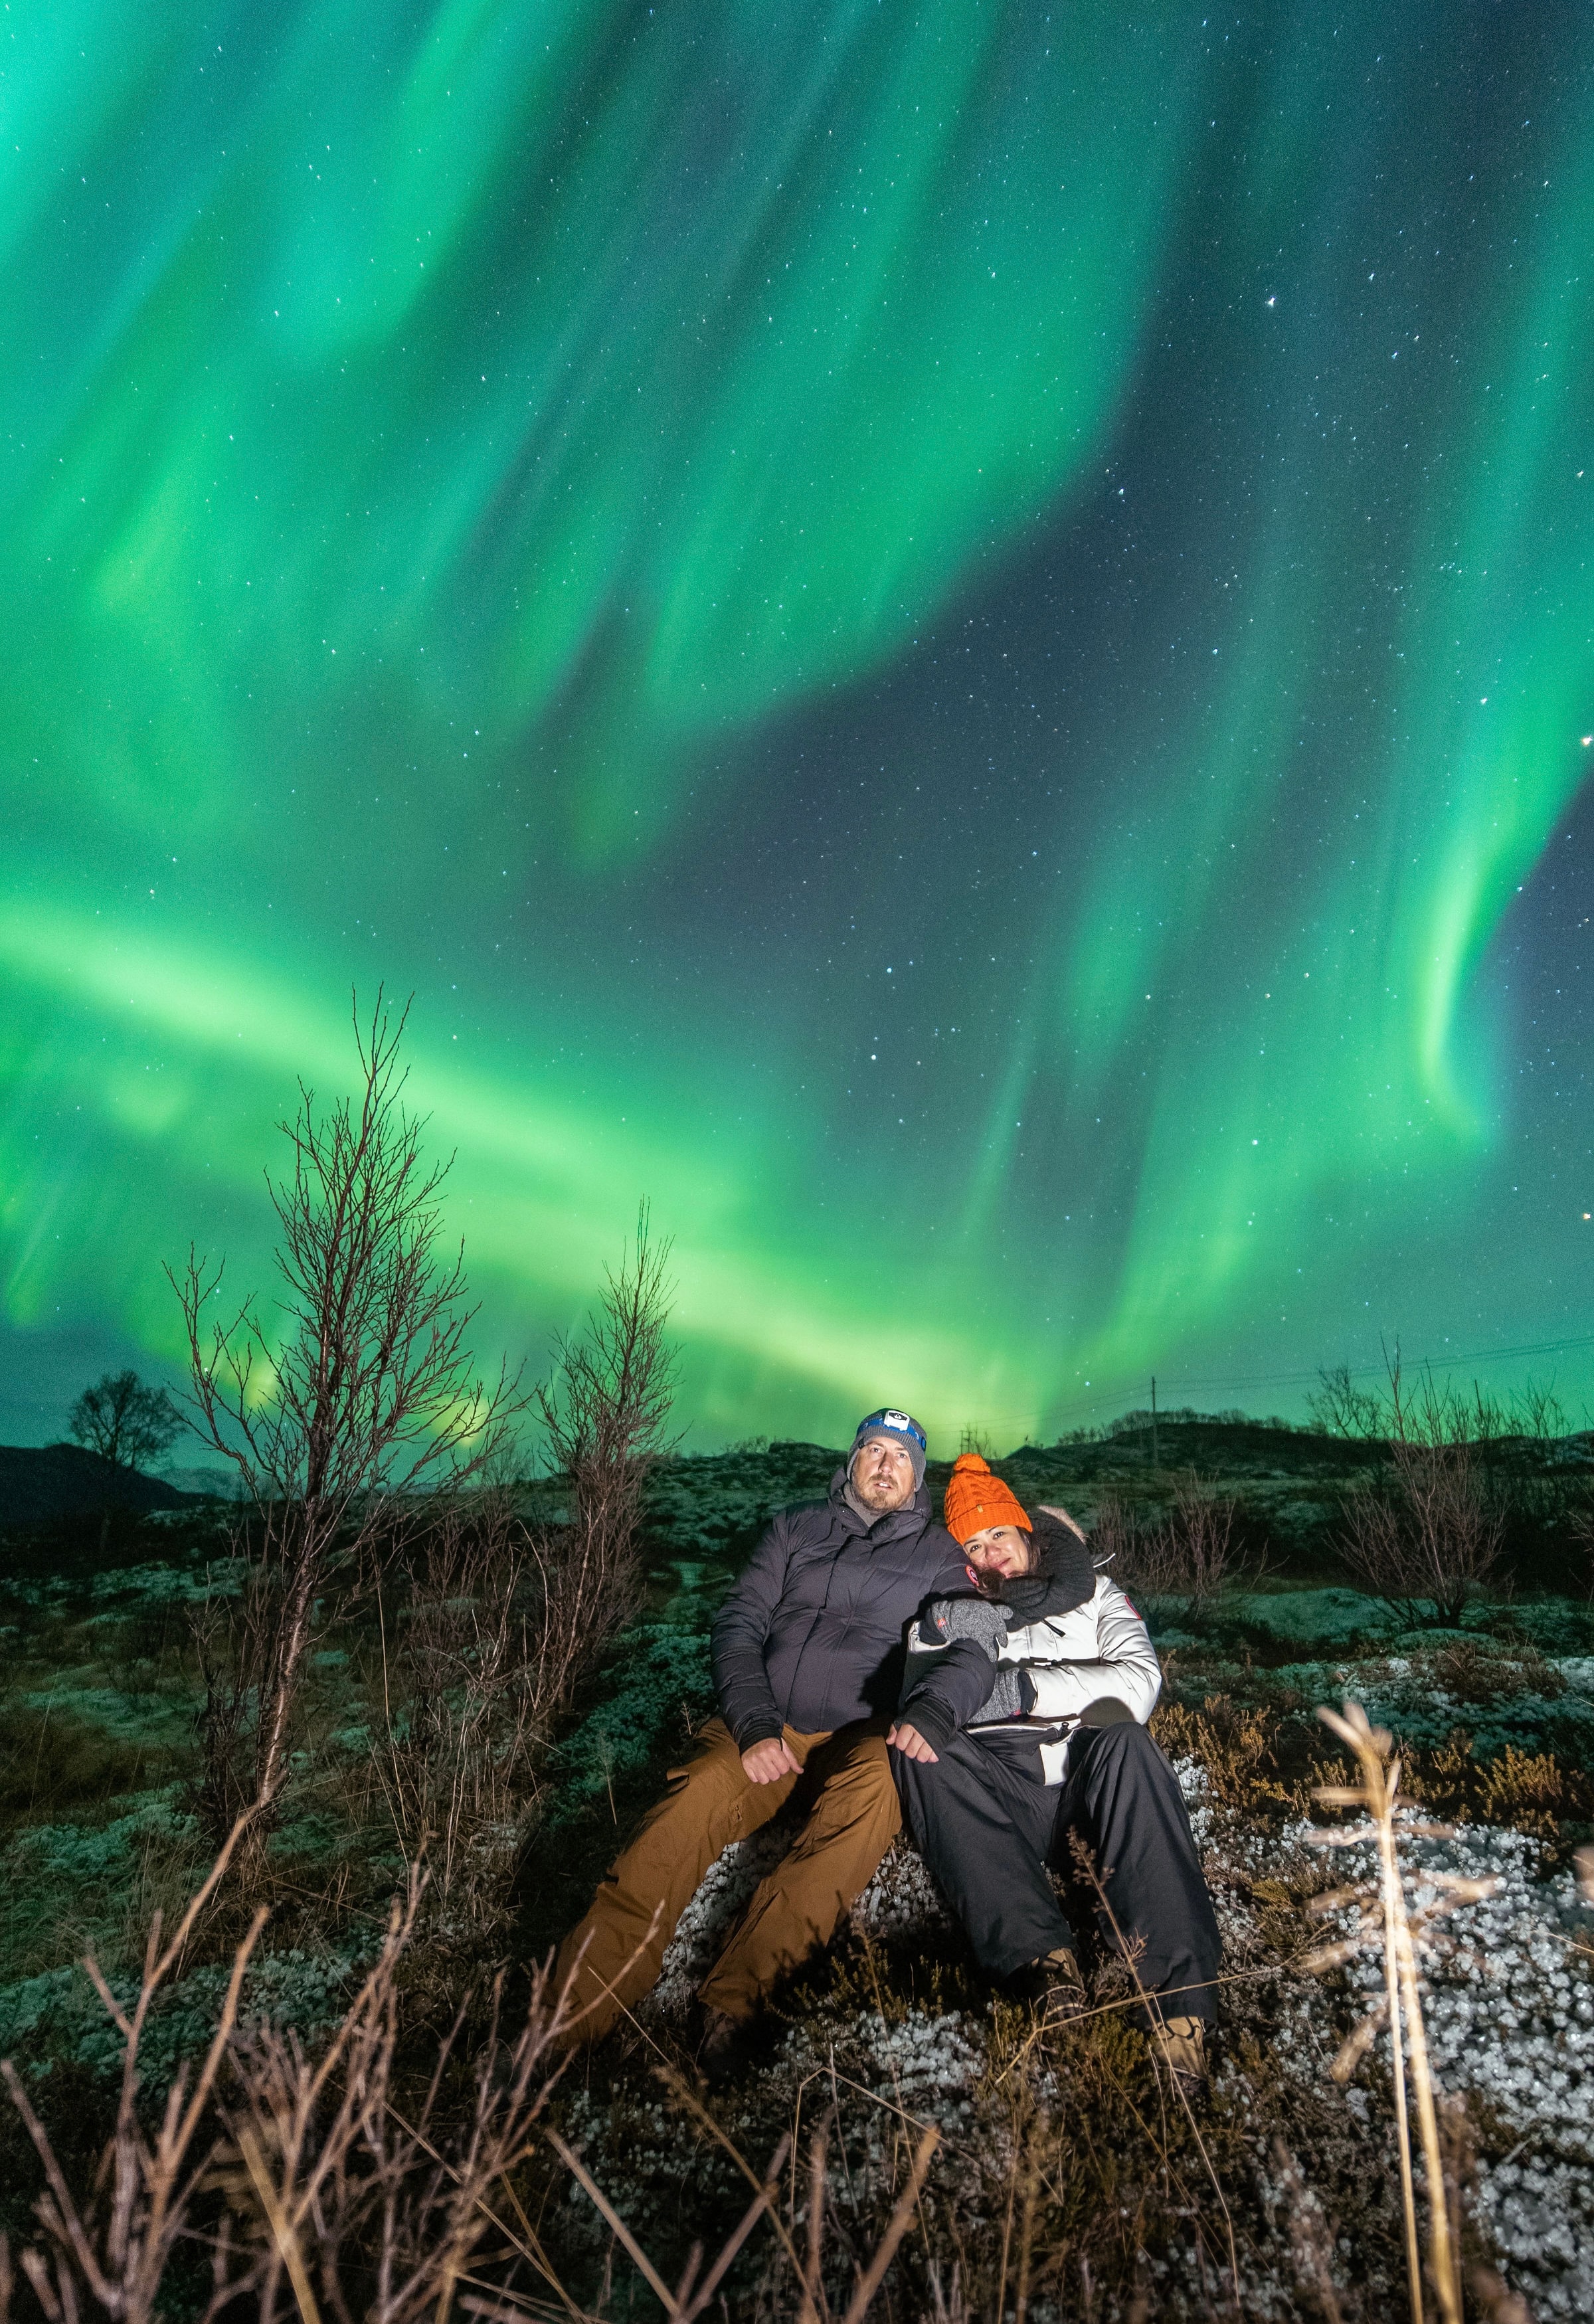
column 808, row 1653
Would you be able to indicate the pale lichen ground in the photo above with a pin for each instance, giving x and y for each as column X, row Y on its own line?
column 1510, row 2011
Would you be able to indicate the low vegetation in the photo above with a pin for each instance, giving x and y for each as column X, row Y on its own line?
column 897, row 2108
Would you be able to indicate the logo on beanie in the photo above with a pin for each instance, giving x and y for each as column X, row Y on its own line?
column 894, row 1423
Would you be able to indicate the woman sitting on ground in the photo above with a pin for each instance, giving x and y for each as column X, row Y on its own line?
column 1022, row 1723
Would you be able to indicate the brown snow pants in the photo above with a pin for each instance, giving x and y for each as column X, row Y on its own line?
column 615, row 1954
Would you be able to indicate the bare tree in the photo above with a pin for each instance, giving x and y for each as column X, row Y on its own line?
column 1340, row 1408
column 605, row 1410
column 366, row 1393
column 1425, row 1532
column 125, row 1422
column 501, row 1619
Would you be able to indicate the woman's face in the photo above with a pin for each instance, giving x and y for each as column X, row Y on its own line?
column 1003, row 1549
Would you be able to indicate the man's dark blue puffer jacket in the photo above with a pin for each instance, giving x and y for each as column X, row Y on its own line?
column 812, row 1634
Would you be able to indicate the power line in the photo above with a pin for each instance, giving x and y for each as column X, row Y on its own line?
column 1366, row 1371
column 1355, row 1371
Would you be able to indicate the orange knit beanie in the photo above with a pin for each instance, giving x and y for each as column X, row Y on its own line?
column 976, row 1499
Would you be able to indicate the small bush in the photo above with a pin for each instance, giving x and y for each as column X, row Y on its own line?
column 1236, row 1747
column 1188, row 1556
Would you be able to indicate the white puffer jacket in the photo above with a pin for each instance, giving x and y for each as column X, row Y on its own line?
column 1102, row 1648
column 1099, row 1648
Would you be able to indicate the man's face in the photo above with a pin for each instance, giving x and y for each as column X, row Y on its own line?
column 1005, row 1550
column 882, row 1473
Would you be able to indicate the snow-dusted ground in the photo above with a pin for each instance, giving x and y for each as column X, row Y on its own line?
column 1510, row 2016
column 1509, row 2013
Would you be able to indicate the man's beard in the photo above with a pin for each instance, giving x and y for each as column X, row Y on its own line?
column 880, row 1494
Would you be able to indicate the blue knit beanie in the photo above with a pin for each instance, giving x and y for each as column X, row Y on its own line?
column 903, row 1429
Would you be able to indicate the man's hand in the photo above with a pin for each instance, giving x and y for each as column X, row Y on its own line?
column 767, row 1762
column 911, row 1744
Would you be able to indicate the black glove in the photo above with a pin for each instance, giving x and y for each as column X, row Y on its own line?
column 1107, row 1711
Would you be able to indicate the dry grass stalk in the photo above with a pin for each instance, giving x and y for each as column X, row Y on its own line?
column 342, row 2201
column 1311, row 2241
column 111, row 2256
column 1387, row 1925
column 692, row 2295
column 873, row 2275
column 391, row 2216
column 1128, row 1953
column 813, row 2308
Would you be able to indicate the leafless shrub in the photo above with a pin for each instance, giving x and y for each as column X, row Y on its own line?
column 605, row 1409
column 499, row 1621
column 1424, row 1533
column 1521, row 1472
column 1532, row 1485
column 466, row 1714
column 1580, row 1527
column 1188, row 1555
column 1112, row 1533
column 370, row 1396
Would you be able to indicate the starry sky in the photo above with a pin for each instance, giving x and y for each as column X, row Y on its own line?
column 956, row 643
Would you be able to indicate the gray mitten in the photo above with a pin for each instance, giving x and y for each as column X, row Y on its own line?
column 978, row 1618
column 969, row 1617
column 1009, row 1698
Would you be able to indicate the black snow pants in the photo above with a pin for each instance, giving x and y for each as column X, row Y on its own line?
column 988, row 1826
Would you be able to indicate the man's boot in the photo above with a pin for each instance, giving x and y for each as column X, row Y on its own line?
column 1054, row 1985
column 1179, row 2045
column 719, row 2045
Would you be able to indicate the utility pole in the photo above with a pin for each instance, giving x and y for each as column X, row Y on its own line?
column 1155, row 1452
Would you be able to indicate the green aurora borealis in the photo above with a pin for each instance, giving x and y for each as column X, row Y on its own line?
column 957, row 642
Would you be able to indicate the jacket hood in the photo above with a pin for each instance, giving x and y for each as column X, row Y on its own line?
column 1066, row 1575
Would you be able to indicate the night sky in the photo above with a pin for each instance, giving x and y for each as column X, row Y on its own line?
column 956, row 642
